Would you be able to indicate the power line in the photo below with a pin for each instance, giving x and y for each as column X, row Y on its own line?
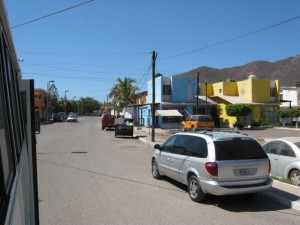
column 70, row 78
column 145, row 74
column 77, row 70
column 33, row 10
column 233, row 39
column 51, row 14
column 85, row 54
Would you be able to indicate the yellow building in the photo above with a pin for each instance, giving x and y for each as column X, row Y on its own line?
column 260, row 94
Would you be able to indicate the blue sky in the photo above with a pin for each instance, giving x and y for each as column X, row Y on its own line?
column 86, row 48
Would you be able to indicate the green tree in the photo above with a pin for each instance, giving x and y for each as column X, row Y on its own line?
column 240, row 111
column 123, row 92
column 89, row 105
column 296, row 113
column 59, row 106
column 296, row 116
column 286, row 115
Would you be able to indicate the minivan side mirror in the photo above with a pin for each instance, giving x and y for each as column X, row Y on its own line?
column 157, row 146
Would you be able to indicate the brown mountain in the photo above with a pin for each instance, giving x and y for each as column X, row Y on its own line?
column 287, row 71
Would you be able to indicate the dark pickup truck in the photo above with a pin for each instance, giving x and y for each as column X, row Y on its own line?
column 107, row 120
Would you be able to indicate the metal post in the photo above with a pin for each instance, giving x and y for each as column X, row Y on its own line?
column 66, row 101
column 206, row 98
column 197, row 100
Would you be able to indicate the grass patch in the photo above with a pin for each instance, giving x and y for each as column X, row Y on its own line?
column 284, row 180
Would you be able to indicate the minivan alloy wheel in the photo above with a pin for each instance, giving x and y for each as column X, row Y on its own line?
column 155, row 171
column 195, row 190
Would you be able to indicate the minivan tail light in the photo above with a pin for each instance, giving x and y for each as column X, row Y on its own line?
column 212, row 168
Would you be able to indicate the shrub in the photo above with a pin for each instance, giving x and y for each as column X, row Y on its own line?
column 296, row 113
column 238, row 125
column 284, row 113
column 258, row 122
column 238, row 110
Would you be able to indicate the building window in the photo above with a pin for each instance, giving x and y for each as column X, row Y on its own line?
column 37, row 97
column 220, row 91
column 272, row 92
column 166, row 89
column 171, row 119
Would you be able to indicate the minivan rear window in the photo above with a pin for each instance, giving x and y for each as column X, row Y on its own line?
column 239, row 150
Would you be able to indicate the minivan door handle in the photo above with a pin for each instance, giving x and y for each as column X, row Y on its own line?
column 171, row 160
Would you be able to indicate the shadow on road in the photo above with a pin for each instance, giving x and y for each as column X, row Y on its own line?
column 236, row 203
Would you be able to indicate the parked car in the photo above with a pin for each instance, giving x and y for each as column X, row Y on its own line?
column 60, row 117
column 108, row 121
column 72, row 118
column 197, row 122
column 217, row 163
column 284, row 154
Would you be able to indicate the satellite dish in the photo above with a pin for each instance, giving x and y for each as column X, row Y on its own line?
column 252, row 77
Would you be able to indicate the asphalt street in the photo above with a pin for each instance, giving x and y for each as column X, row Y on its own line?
column 87, row 176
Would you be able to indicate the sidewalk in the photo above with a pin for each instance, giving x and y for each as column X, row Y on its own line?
column 282, row 193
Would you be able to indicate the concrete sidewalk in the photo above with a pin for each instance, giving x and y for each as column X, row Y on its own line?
column 282, row 193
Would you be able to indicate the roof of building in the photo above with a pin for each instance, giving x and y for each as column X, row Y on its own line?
column 241, row 100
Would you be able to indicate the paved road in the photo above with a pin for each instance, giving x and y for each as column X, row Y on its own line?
column 270, row 133
column 88, row 177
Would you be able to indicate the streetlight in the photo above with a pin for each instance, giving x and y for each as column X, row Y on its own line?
column 48, row 96
column 66, row 101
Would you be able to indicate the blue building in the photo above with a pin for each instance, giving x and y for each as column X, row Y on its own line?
column 172, row 95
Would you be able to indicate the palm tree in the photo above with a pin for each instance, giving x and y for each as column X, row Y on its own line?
column 123, row 93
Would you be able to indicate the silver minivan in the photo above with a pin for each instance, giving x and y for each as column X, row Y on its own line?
column 217, row 163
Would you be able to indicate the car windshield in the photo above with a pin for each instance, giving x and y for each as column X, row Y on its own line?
column 239, row 150
column 108, row 116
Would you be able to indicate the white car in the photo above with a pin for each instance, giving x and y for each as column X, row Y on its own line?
column 72, row 118
column 284, row 154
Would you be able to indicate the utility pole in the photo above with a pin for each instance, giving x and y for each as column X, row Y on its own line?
column 197, row 100
column 154, row 55
column 206, row 98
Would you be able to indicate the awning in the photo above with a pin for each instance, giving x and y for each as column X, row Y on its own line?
column 204, row 98
column 169, row 112
column 236, row 100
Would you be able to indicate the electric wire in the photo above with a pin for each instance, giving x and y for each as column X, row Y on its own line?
column 77, row 70
column 233, row 39
column 51, row 14
column 146, row 72
column 33, row 10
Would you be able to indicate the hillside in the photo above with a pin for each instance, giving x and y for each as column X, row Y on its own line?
column 287, row 71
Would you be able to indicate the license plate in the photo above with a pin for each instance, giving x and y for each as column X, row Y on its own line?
column 245, row 172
